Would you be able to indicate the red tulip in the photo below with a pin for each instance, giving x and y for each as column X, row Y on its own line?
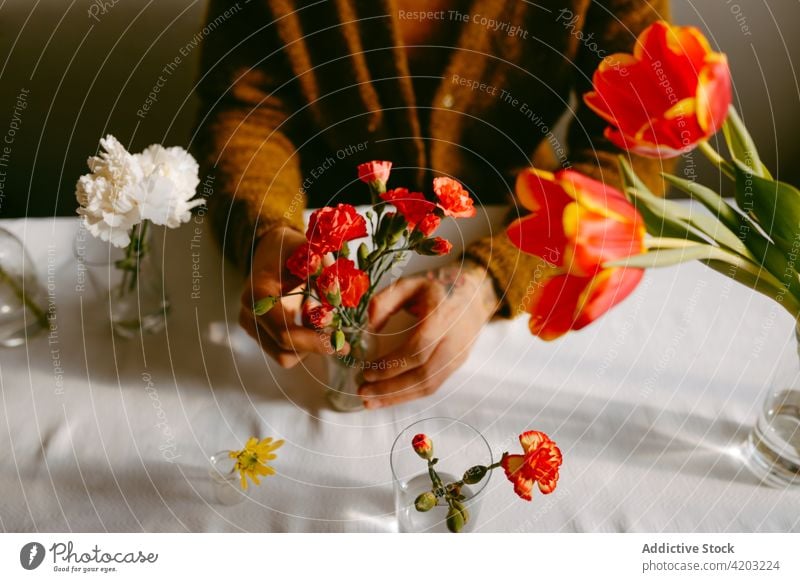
column 576, row 224
column 670, row 94
column 539, row 464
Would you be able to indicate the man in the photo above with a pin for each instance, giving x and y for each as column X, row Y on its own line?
column 297, row 93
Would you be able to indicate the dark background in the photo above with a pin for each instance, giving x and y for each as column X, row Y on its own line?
column 89, row 77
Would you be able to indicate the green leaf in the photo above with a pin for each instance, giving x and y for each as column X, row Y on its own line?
column 741, row 144
column 658, row 222
column 774, row 205
column 264, row 304
column 666, row 257
column 723, row 225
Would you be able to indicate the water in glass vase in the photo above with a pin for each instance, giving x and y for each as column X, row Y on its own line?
column 434, row 521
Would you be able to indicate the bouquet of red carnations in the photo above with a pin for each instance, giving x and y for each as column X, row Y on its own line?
column 337, row 286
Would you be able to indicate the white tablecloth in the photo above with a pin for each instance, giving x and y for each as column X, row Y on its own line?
column 649, row 406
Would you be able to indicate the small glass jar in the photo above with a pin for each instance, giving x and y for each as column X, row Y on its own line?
column 773, row 446
column 225, row 479
column 457, row 446
column 22, row 299
column 136, row 299
column 346, row 373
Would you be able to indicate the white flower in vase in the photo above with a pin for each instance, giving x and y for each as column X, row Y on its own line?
column 118, row 199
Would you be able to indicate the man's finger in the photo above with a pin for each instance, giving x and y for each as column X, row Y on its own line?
column 286, row 359
column 415, row 352
column 392, row 299
column 416, row 383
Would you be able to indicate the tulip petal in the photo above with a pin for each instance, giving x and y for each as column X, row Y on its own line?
column 553, row 305
column 539, row 191
column 540, row 235
column 714, row 94
column 608, row 288
column 596, row 239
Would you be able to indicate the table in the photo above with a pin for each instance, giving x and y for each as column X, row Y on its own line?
column 649, row 406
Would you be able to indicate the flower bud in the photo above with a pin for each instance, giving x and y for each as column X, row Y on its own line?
column 434, row 246
column 395, row 229
column 363, row 254
column 423, row 446
column 455, row 520
column 463, row 509
column 425, row 501
column 264, row 304
column 337, row 340
column 474, row 474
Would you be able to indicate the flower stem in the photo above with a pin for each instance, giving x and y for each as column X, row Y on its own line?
column 724, row 166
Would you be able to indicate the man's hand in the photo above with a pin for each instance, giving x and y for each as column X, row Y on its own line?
column 276, row 331
column 452, row 305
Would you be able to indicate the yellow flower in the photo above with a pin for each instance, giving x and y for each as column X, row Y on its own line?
column 252, row 460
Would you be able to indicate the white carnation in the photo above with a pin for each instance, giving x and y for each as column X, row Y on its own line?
column 123, row 189
column 107, row 196
column 172, row 178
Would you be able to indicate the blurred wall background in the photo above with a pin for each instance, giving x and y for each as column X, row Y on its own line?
column 74, row 70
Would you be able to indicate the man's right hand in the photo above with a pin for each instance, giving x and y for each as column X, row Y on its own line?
column 277, row 332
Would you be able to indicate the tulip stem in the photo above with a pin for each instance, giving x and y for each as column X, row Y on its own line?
column 716, row 159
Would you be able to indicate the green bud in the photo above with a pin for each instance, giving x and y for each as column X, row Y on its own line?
column 363, row 255
column 395, row 229
column 455, row 520
column 337, row 339
column 462, row 509
column 344, row 251
column 474, row 474
column 334, row 299
column 264, row 304
column 425, row 501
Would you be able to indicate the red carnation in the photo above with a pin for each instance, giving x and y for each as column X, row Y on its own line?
column 453, row 199
column 434, row 246
column 412, row 205
column 427, row 225
column 317, row 316
column 375, row 171
column 538, row 465
column 342, row 283
column 330, row 227
column 304, row 261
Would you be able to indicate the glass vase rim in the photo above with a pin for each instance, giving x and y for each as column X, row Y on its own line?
column 484, row 483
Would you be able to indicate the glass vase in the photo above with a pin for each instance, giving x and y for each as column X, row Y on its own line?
column 224, row 478
column 773, row 446
column 130, row 279
column 457, row 446
column 22, row 299
column 346, row 373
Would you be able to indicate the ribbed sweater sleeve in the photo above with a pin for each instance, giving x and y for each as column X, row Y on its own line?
column 241, row 138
